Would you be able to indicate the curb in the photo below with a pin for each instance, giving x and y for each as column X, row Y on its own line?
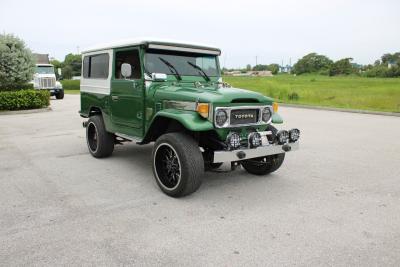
column 393, row 114
column 25, row 111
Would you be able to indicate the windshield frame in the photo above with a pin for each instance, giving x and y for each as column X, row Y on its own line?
column 185, row 56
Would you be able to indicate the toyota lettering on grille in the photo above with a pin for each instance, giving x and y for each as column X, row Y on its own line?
column 244, row 116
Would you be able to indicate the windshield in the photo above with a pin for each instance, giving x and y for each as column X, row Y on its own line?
column 45, row 69
column 160, row 61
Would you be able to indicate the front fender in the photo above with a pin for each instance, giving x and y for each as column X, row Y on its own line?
column 191, row 120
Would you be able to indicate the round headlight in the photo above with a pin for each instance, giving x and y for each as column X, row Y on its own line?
column 233, row 140
column 266, row 114
column 282, row 137
column 294, row 135
column 254, row 139
column 221, row 117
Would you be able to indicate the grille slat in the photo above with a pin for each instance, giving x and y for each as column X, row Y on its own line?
column 47, row 83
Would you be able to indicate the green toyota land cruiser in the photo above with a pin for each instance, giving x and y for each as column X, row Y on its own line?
column 172, row 94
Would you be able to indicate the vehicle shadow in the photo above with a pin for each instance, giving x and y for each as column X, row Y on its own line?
column 137, row 157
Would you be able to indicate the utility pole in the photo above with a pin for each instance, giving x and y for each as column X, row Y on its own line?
column 77, row 49
column 256, row 61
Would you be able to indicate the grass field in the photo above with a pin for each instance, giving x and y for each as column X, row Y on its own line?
column 350, row 92
column 72, row 92
column 343, row 92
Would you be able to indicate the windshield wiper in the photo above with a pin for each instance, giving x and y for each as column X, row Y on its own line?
column 205, row 76
column 172, row 68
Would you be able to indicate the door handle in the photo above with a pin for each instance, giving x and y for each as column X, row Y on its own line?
column 114, row 98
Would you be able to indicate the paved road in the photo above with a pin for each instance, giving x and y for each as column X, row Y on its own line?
column 334, row 202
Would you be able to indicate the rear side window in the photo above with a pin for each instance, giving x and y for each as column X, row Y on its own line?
column 96, row 66
column 86, row 65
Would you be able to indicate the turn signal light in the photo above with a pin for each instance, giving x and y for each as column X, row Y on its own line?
column 202, row 109
column 275, row 107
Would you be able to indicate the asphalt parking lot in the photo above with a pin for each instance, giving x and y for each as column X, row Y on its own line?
column 336, row 201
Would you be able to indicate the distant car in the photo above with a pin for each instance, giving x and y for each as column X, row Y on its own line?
column 172, row 94
column 45, row 79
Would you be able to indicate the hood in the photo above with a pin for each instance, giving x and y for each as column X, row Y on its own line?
column 210, row 94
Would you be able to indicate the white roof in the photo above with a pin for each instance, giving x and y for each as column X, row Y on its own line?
column 148, row 41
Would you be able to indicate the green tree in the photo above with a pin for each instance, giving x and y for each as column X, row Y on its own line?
column 57, row 65
column 248, row 67
column 342, row 67
column 260, row 67
column 17, row 64
column 312, row 63
column 274, row 68
column 391, row 58
column 67, row 72
column 74, row 61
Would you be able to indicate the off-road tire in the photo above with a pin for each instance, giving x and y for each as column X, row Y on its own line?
column 100, row 142
column 60, row 94
column 190, row 162
column 259, row 167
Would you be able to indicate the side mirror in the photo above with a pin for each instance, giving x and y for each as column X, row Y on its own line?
column 126, row 70
column 161, row 77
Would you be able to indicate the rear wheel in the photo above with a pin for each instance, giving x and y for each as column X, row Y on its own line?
column 178, row 164
column 99, row 141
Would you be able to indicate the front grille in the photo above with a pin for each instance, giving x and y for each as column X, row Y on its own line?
column 47, row 83
column 244, row 116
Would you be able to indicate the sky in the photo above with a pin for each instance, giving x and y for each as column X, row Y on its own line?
column 272, row 31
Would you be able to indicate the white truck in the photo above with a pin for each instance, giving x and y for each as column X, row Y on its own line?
column 45, row 77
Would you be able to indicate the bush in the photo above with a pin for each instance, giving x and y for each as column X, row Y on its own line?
column 383, row 72
column 342, row 67
column 15, row 87
column 17, row 63
column 293, row 96
column 24, row 99
column 71, row 84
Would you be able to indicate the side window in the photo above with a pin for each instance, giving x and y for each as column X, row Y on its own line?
column 86, row 63
column 131, row 57
column 96, row 66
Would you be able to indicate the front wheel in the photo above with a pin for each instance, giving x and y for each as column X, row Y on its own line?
column 178, row 164
column 60, row 94
column 263, row 165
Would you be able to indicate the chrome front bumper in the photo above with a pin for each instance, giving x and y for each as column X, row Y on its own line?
column 249, row 153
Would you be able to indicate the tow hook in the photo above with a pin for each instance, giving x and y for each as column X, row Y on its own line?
column 286, row 148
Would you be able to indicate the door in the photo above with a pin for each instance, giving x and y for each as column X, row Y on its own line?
column 127, row 93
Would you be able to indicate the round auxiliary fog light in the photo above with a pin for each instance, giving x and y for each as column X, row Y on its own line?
column 233, row 140
column 254, row 139
column 221, row 117
column 294, row 135
column 282, row 136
